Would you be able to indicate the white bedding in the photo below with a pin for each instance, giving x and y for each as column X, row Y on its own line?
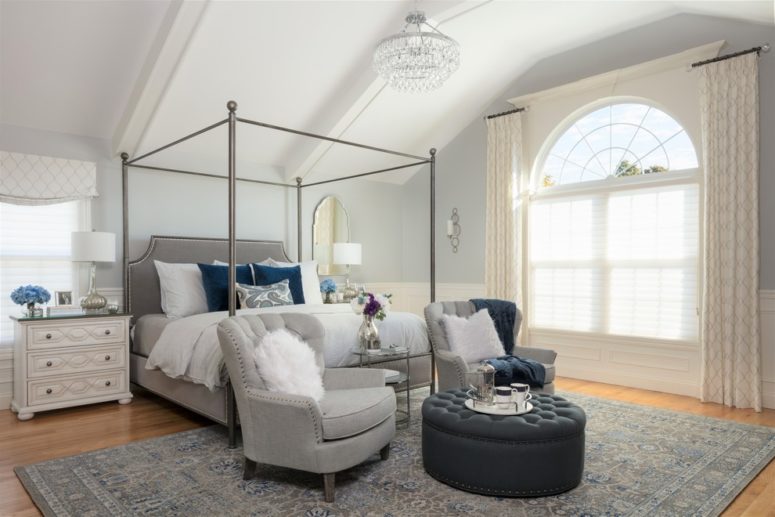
column 188, row 347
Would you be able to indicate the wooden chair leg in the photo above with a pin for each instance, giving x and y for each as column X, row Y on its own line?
column 328, row 487
column 384, row 452
column 250, row 469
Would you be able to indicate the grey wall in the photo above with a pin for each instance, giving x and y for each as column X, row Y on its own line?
column 461, row 165
column 171, row 204
column 460, row 172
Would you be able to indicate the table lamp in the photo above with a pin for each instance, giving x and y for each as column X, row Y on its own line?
column 348, row 254
column 93, row 247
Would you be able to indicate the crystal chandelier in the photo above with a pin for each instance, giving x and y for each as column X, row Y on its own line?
column 416, row 60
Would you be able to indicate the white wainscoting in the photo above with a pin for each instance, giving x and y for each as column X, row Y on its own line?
column 767, row 313
column 672, row 369
column 6, row 377
column 413, row 297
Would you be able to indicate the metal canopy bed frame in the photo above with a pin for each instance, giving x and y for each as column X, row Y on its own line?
column 274, row 247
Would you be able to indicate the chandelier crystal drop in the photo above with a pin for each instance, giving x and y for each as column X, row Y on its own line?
column 416, row 60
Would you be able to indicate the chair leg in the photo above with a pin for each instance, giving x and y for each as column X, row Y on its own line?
column 384, row 452
column 328, row 487
column 250, row 469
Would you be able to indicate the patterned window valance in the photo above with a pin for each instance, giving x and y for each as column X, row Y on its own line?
column 28, row 179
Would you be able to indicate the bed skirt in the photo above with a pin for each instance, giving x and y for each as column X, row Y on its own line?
column 212, row 404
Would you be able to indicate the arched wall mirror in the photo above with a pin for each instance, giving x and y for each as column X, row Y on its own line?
column 330, row 224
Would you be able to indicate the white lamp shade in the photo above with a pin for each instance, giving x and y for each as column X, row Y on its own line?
column 93, row 247
column 348, row 253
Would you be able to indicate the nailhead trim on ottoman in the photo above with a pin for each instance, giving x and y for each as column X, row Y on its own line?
column 536, row 454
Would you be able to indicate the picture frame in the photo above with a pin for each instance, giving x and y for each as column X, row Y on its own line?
column 63, row 298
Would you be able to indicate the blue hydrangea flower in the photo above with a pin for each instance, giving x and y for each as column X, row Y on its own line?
column 27, row 294
column 328, row 286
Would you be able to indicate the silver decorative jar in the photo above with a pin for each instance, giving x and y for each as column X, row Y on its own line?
column 368, row 335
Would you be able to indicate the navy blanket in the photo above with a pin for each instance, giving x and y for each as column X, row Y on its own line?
column 509, row 368
column 503, row 314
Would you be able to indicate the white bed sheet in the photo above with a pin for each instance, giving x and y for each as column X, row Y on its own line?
column 188, row 347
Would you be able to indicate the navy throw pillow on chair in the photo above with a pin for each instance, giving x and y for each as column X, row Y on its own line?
column 215, row 280
column 267, row 275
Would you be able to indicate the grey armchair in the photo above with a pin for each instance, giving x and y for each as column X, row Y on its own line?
column 354, row 420
column 452, row 368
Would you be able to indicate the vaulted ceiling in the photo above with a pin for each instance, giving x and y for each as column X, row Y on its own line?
column 143, row 73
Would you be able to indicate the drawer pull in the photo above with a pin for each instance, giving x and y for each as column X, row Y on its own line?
column 48, row 336
column 107, row 332
column 48, row 391
column 107, row 383
column 107, row 358
column 49, row 363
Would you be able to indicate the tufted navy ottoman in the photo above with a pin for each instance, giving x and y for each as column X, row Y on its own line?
column 536, row 454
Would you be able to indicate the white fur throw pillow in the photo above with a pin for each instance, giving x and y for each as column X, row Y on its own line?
column 474, row 339
column 287, row 365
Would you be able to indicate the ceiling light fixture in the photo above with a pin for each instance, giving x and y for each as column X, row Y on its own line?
column 416, row 60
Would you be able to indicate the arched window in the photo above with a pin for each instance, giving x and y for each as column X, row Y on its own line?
column 618, row 140
column 618, row 252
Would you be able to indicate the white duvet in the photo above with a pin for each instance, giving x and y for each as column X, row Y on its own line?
column 188, row 347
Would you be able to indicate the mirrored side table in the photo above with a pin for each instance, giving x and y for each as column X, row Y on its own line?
column 400, row 381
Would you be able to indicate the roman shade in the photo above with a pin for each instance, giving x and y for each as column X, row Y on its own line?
column 28, row 179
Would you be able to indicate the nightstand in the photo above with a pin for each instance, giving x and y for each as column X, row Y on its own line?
column 400, row 382
column 65, row 361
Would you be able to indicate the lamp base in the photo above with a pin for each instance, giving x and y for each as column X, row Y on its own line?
column 349, row 292
column 94, row 301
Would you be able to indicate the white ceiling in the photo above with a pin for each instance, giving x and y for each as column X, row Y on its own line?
column 70, row 67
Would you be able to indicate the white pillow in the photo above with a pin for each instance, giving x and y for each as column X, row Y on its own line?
column 287, row 365
column 310, row 283
column 474, row 339
column 182, row 291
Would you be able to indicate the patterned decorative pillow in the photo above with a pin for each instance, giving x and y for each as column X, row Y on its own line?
column 272, row 295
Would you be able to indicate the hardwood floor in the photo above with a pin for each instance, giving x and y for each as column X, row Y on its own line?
column 73, row 431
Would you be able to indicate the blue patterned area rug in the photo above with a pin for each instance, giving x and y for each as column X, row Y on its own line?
column 639, row 461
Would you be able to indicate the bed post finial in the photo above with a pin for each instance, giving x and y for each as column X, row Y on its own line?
column 231, row 105
column 433, row 151
column 124, row 156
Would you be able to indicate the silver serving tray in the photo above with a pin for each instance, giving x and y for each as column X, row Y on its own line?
column 481, row 407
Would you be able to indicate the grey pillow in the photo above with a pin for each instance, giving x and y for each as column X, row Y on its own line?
column 272, row 295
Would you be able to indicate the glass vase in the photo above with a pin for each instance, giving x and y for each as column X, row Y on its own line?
column 368, row 335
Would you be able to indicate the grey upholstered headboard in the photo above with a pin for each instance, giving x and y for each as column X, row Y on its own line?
column 143, row 281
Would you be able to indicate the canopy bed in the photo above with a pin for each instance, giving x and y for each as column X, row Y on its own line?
column 179, row 358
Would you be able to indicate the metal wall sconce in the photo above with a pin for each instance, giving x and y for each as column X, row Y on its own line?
column 453, row 230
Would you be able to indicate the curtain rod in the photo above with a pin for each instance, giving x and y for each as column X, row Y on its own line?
column 504, row 113
column 762, row 48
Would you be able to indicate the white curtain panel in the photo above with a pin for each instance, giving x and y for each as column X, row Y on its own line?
column 28, row 179
column 731, row 351
column 504, row 152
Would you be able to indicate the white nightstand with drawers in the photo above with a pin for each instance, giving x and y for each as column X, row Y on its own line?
column 66, row 361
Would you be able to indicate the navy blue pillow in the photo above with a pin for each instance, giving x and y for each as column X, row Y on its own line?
column 266, row 275
column 215, row 280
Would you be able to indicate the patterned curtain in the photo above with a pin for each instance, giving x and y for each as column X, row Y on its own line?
column 731, row 352
column 502, row 255
column 28, row 179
